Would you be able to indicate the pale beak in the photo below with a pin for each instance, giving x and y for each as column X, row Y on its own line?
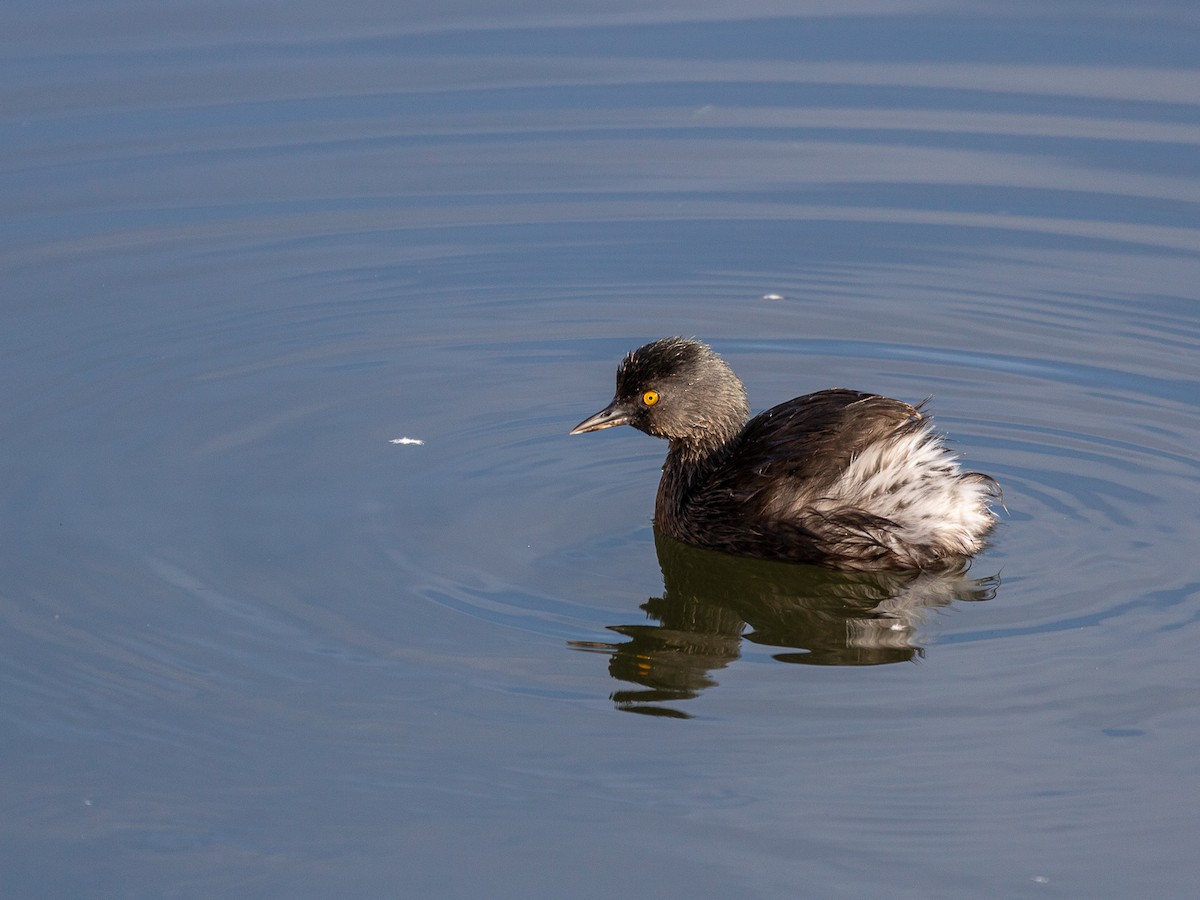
column 616, row 413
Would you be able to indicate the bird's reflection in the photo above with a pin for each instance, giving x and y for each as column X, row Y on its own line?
column 711, row 602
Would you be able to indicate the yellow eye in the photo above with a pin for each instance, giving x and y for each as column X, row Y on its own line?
column 650, row 398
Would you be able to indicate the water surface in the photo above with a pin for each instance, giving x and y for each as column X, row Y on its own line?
column 251, row 648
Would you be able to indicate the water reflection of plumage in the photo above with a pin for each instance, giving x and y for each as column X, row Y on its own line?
column 711, row 602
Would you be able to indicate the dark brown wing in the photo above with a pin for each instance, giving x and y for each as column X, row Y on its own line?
column 813, row 438
column 807, row 443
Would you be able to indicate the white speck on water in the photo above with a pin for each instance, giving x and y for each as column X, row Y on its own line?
column 1040, row 879
column 406, row 440
column 772, row 296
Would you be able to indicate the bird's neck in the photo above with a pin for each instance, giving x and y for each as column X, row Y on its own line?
column 689, row 465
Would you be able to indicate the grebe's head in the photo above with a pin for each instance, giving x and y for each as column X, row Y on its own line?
column 679, row 389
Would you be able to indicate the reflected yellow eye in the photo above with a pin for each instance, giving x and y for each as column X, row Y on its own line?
column 650, row 398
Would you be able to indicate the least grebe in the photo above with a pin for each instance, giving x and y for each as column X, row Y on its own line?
column 837, row 478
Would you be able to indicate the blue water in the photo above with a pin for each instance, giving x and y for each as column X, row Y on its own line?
column 251, row 648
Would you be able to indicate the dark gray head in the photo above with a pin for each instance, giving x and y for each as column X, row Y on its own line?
column 678, row 389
